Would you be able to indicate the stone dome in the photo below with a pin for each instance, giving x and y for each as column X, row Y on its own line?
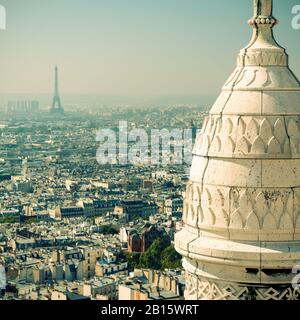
column 241, row 233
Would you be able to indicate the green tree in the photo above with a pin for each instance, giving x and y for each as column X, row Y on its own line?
column 151, row 258
column 159, row 256
column 8, row 220
column 108, row 229
column 170, row 258
column 30, row 221
column 133, row 260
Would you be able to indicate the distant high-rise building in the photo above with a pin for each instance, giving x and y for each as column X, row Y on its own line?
column 194, row 130
column 22, row 106
column 25, row 169
column 56, row 103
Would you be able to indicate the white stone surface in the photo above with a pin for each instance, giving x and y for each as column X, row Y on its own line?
column 241, row 235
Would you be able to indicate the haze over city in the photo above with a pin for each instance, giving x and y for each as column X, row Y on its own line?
column 149, row 150
column 128, row 48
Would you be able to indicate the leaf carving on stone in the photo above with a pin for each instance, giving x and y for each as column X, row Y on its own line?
column 185, row 211
column 253, row 78
column 265, row 130
column 228, row 146
column 297, row 224
column 286, row 223
column 198, row 192
column 258, row 146
column 221, row 197
column 252, row 222
column 274, row 146
column 269, row 222
column 290, row 204
column 293, row 129
column 210, row 217
column 240, row 77
column 232, row 77
column 189, row 191
column 216, row 145
column 199, row 141
column 205, row 145
column 213, row 123
column 268, row 81
column 296, row 208
column 243, row 146
column 225, row 217
column 252, row 130
column 228, row 126
column 245, row 204
column 219, row 125
column 241, row 127
column 236, row 220
column 279, row 131
column 294, row 145
column 261, row 206
column 287, row 147
column 200, row 213
column 192, row 211
column 205, row 123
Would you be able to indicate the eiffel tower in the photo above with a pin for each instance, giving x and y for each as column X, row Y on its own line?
column 56, row 103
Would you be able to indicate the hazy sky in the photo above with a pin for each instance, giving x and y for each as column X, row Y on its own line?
column 130, row 47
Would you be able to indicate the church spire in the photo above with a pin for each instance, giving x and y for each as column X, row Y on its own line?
column 263, row 8
column 263, row 48
column 263, row 20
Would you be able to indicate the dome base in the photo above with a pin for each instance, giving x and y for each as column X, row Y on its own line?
column 203, row 288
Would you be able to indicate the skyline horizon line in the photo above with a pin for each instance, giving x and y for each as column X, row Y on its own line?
column 129, row 48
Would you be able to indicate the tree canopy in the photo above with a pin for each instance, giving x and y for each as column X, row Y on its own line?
column 159, row 256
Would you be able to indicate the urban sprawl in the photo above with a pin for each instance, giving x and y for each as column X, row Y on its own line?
column 72, row 229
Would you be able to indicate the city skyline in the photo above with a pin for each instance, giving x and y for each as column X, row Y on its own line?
column 133, row 49
column 149, row 151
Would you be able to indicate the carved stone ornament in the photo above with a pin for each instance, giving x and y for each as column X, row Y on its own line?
column 241, row 232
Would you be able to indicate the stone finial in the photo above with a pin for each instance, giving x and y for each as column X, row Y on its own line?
column 263, row 14
column 263, row 7
column 263, row 50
